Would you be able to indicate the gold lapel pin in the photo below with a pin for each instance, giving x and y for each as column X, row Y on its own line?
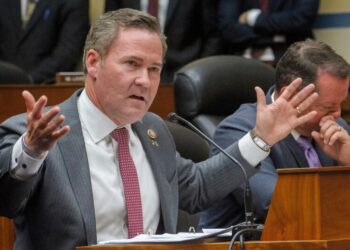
column 153, row 136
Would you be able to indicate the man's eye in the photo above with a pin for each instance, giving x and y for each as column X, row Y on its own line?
column 154, row 69
column 131, row 63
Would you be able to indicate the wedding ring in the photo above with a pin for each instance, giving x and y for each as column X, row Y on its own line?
column 298, row 110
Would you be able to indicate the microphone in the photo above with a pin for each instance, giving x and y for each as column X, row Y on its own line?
column 248, row 204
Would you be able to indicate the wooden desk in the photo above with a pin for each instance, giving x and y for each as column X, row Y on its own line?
column 7, row 234
column 11, row 101
column 253, row 245
column 309, row 204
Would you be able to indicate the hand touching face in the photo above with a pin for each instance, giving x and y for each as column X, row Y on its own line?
column 276, row 120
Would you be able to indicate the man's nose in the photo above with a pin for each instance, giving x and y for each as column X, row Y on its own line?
column 143, row 77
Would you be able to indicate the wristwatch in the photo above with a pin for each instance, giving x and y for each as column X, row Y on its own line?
column 259, row 142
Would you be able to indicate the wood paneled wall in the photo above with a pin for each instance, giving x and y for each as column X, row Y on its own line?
column 11, row 101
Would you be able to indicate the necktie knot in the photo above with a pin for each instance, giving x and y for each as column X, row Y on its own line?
column 305, row 142
column 120, row 135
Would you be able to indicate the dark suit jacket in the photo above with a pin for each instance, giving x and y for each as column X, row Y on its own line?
column 191, row 29
column 51, row 42
column 284, row 154
column 54, row 209
column 292, row 18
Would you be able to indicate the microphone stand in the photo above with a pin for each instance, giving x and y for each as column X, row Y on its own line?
column 249, row 228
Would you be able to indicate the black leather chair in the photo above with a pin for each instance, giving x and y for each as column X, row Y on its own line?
column 209, row 89
column 12, row 74
column 189, row 144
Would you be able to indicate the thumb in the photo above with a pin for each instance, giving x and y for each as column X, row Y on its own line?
column 29, row 100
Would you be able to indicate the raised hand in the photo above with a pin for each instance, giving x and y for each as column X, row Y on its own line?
column 43, row 128
column 333, row 139
column 276, row 120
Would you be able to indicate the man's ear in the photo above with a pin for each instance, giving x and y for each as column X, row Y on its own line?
column 92, row 62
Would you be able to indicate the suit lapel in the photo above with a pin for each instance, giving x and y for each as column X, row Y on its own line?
column 158, row 162
column 76, row 163
column 295, row 151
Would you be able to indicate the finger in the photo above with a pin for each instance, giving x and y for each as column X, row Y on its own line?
column 61, row 132
column 29, row 100
column 334, row 137
column 305, row 118
column 48, row 117
column 39, row 107
column 326, row 118
column 54, row 125
column 332, row 134
column 291, row 88
column 317, row 137
column 302, row 95
column 326, row 125
column 303, row 105
column 260, row 97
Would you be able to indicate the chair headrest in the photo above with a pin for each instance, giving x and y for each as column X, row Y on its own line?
column 10, row 73
column 217, row 85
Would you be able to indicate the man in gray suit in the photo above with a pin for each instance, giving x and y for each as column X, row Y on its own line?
column 314, row 62
column 60, row 177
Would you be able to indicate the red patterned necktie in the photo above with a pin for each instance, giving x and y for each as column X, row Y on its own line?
column 153, row 7
column 130, row 183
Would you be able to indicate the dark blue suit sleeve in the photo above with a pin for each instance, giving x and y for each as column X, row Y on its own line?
column 230, row 211
column 296, row 16
column 232, row 31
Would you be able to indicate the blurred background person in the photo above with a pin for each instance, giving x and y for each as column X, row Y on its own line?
column 190, row 26
column 263, row 29
column 43, row 37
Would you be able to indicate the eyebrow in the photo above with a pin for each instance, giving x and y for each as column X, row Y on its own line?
column 140, row 59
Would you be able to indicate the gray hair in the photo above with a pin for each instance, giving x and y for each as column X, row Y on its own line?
column 107, row 27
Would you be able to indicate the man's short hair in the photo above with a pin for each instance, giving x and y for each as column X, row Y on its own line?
column 304, row 59
column 107, row 28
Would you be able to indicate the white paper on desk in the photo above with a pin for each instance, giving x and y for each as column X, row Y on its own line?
column 215, row 230
column 167, row 238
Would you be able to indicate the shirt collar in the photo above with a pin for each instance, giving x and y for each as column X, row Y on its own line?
column 97, row 124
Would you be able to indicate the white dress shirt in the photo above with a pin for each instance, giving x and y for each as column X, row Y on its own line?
column 268, row 54
column 106, row 182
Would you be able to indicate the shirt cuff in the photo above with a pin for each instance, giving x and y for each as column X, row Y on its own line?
column 252, row 15
column 250, row 151
column 23, row 165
